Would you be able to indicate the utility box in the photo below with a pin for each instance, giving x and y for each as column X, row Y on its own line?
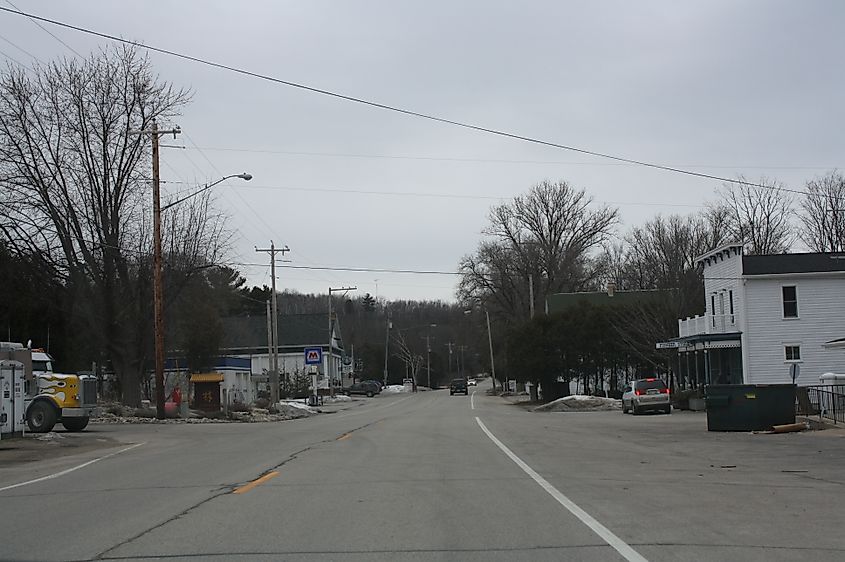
column 12, row 410
column 749, row 407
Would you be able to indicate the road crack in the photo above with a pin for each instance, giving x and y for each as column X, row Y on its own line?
column 228, row 489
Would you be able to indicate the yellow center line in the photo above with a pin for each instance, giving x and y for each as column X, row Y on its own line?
column 247, row 487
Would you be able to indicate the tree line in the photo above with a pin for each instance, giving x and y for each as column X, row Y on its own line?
column 555, row 239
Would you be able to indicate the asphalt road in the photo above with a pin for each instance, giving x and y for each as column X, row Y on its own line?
column 433, row 477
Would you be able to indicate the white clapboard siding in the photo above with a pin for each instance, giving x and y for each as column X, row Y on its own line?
column 821, row 318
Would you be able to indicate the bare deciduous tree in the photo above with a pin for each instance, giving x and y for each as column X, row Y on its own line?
column 757, row 215
column 74, row 175
column 548, row 234
column 823, row 213
column 412, row 360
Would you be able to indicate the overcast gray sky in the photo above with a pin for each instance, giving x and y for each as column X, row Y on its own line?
column 727, row 87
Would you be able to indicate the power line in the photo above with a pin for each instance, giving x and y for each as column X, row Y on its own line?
column 50, row 33
column 403, row 111
column 358, row 269
column 19, row 48
column 492, row 160
column 427, row 194
column 17, row 62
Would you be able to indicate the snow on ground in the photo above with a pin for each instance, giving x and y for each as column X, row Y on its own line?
column 393, row 388
column 339, row 398
column 299, row 405
column 580, row 403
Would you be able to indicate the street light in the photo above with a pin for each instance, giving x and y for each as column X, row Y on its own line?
column 244, row 176
column 158, row 296
column 489, row 341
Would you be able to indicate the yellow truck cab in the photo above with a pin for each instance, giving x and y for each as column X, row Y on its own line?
column 51, row 398
column 54, row 397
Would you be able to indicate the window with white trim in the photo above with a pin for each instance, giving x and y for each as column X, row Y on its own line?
column 713, row 309
column 790, row 301
column 731, row 303
column 792, row 352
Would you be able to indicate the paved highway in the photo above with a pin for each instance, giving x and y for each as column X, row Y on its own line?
column 432, row 477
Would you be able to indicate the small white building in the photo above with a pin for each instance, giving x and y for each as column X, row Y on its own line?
column 763, row 314
column 246, row 337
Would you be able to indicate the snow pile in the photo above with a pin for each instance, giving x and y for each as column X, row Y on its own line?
column 580, row 403
column 394, row 388
column 338, row 398
column 294, row 410
column 50, row 436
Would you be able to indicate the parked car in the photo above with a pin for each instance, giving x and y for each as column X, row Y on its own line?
column 376, row 383
column 472, row 382
column 646, row 394
column 458, row 385
column 366, row 387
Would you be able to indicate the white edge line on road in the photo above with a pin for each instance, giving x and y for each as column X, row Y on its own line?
column 69, row 470
column 472, row 400
column 606, row 534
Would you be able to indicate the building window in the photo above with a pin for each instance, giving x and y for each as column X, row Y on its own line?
column 793, row 352
column 713, row 309
column 731, row 304
column 790, row 302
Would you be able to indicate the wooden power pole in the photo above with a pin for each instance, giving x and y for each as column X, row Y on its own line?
column 158, row 290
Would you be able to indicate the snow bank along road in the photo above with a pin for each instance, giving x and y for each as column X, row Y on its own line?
column 433, row 476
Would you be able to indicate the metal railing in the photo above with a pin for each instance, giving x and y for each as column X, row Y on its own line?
column 825, row 401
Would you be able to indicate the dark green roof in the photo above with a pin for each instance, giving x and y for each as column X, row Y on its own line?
column 560, row 302
column 296, row 330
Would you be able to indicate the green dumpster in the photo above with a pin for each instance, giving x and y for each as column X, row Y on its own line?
column 749, row 407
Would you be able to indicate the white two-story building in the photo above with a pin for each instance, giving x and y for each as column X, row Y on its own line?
column 765, row 313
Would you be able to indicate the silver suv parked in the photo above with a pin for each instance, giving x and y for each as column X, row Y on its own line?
column 646, row 394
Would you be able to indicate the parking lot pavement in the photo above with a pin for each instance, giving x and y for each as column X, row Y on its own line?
column 664, row 480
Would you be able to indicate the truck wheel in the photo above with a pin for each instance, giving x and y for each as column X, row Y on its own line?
column 41, row 417
column 75, row 424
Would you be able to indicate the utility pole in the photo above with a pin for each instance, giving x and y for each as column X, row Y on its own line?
column 331, row 335
column 274, row 363
column 462, row 348
column 449, row 345
column 386, row 346
column 269, row 345
column 158, row 292
column 490, row 341
column 428, row 358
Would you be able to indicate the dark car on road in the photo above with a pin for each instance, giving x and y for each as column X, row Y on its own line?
column 366, row 387
column 458, row 386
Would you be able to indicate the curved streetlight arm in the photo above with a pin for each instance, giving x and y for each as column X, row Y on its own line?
column 244, row 176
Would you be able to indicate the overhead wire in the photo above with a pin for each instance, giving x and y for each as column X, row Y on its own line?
column 50, row 33
column 17, row 62
column 403, row 111
column 494, row 160
column 425, row 194
column 243, row 199
column 21, row 49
